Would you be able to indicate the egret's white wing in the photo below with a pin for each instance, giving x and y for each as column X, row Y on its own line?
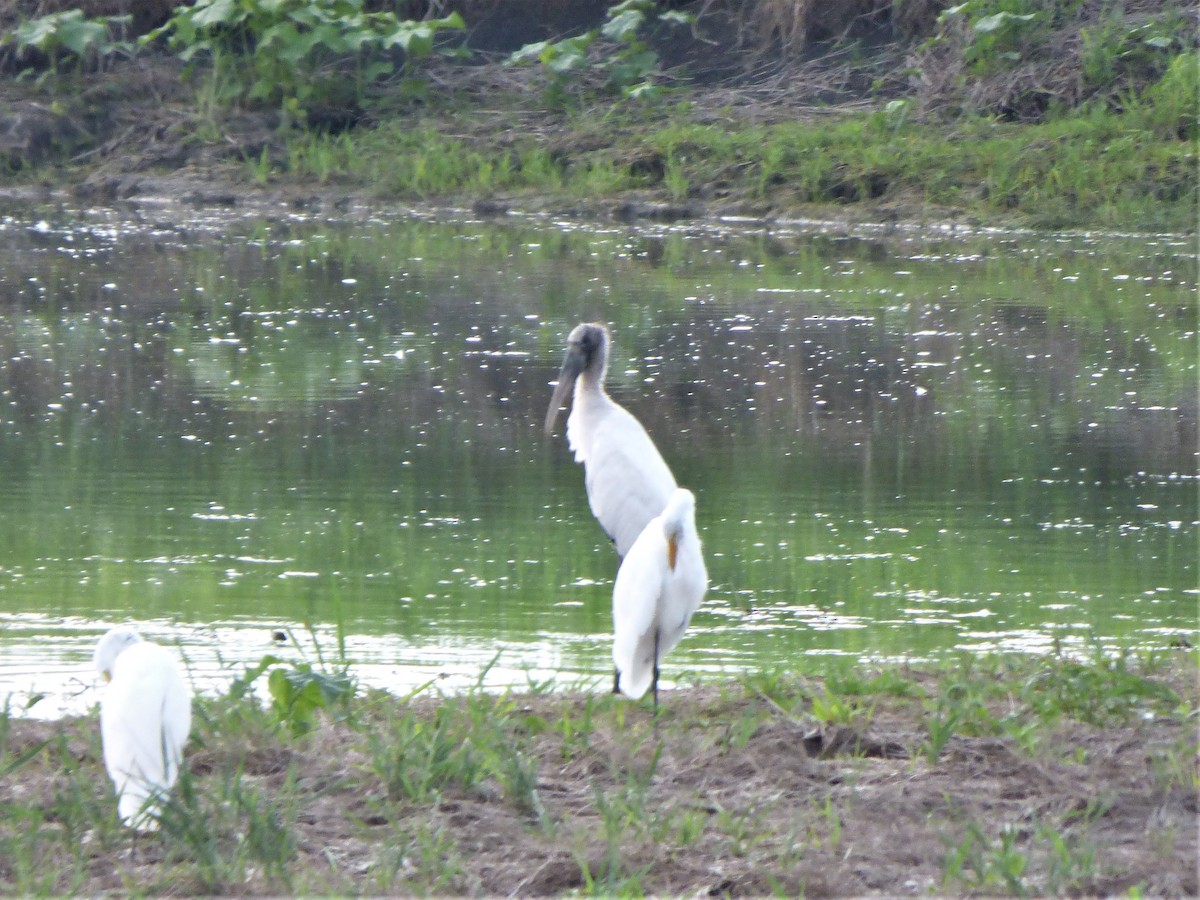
column 636, row 593
column 145, row 717
column 628, row 483
column 683, row 589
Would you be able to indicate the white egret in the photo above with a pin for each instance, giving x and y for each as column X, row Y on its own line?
column 628, row 483
column 659, row 585
column 145, row 717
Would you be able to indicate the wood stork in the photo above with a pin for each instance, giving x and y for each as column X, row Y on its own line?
column 659, row 585
column 628, row 484
column 145, row 717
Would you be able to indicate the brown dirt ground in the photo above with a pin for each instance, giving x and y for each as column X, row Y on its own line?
column 783, row 805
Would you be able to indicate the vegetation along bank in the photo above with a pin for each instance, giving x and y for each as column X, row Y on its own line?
column 994, row 775
column 1051, row 113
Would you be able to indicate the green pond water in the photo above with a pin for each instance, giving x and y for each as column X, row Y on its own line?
column 904, row 444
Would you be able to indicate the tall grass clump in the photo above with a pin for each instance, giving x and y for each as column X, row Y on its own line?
column 1171, row 106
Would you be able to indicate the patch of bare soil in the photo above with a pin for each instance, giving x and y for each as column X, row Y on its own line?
column 721, row 794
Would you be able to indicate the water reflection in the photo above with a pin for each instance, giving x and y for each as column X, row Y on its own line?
column 902, row 443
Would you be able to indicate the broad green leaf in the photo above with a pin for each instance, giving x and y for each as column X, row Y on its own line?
column 40, row 33
column 420, row 43
column 412, row 40
column 78, row 35
column 529, row 52
column 645, row 90
column 332, row 39
column 678, row 17
column 988, row 24
column 377, row 70
column 213, row 13
column 568, row 61
column 1160, row 43
column 628, row 5
column 454, row 22
column 624, row 26
column 280, row 34
column 240, row 685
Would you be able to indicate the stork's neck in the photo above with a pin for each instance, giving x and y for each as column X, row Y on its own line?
column 590, row 382
column 591, row 379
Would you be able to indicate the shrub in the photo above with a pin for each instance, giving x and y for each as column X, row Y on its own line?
column 298, row 52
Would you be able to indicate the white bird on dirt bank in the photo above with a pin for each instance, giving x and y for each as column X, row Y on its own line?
column 628, row 483
column 145, row 717
column 659, row 585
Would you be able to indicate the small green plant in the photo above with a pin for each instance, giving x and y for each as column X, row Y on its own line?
column 994, row 33
column 985, row 865
column 300, row 690
column 1071, row 863
column 834, row 710
column 298, row 693
column 829, row 815
column 675, row 178
column 577, row 733
column 941, row 724
column 260, row 169
column 616, row 49
column 690, row 826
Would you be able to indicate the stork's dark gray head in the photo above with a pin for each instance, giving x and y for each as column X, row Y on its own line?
column 587, row 354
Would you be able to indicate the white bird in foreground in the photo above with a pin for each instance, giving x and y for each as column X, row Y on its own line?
column 628, row 483
column 659, row 585
column 145, row 717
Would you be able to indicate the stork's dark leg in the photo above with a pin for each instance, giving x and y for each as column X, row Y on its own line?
column 616, row 681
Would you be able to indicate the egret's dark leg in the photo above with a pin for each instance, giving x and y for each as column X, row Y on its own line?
column 616, row 681
column 654, row 683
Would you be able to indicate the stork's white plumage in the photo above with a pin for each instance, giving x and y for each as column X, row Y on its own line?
column 659, row 585
column 145, row 717
column 628, row 483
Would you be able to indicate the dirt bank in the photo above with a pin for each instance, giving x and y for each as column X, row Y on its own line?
column 1017, row 777
column 126, row 127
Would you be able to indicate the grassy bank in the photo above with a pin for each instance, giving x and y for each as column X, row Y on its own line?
column 1101, row 170
column 1027, row 112
column 998, row 775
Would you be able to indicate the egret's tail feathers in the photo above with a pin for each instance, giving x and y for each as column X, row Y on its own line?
column 139, row 810
column 634, row 683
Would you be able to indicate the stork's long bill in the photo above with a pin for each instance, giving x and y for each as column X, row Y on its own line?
column 573, row 364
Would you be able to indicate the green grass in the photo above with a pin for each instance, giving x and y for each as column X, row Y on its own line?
column 489, row 792
column 1128, row 169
